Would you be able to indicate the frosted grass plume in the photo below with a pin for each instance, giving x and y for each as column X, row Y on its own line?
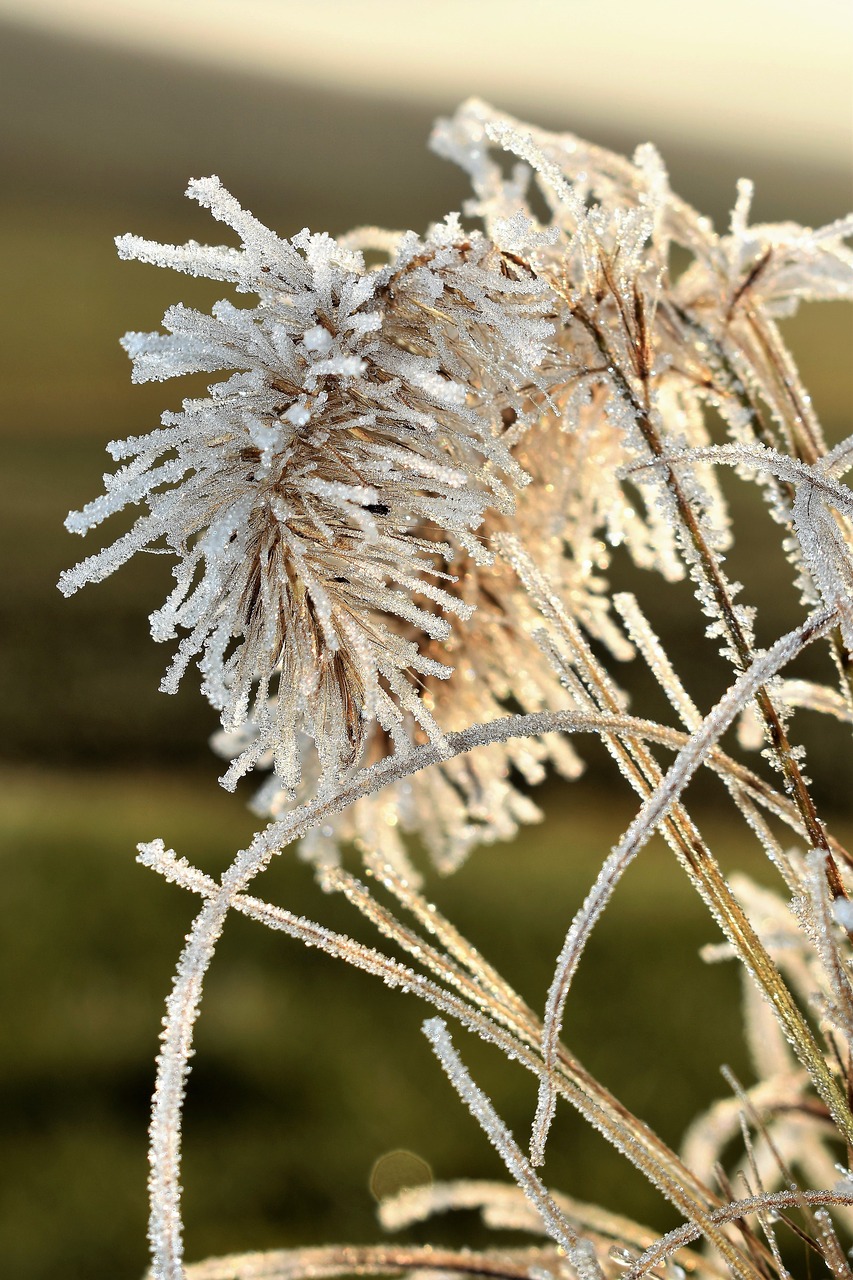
column 301, row 498
column 353, row 486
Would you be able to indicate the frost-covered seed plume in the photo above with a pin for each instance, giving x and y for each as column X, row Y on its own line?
column 396, row 519
column 351, row 448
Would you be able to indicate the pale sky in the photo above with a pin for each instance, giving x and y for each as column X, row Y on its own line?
column 741, row 74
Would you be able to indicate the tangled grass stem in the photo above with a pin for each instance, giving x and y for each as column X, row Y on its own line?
column 393, row 519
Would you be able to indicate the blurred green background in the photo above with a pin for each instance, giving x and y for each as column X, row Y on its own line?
column 306, row 1074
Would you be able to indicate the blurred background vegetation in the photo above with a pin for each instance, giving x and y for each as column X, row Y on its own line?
column 306, row 1075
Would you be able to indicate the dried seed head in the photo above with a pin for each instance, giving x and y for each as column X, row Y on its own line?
column 497, row 664
column 360, row 415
